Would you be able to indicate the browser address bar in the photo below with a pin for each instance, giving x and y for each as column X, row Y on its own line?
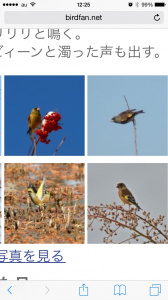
column 76, row 17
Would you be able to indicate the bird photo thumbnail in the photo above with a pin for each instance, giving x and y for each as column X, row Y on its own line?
column 44, row 203
column 139, row 104
column 127, row 203
column 45, row 115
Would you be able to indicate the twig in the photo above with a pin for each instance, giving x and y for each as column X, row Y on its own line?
column 34, row 148
column 135, row 137
column 126, row 102
column 135, row 132
column 101, row 213
column 139, row 217
column 130, row 239
column 56, row 150
column 123, row 225
column 30, row 150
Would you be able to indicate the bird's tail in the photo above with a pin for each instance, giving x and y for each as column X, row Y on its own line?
column 139, row 112
column 30, row 132
column 138, row 207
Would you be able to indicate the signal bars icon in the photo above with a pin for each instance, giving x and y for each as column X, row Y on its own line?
column 32, row 3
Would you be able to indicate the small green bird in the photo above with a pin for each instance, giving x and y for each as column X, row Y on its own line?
column 34, row 120
column 125, row 195
column 41, row 196
column 126, row 116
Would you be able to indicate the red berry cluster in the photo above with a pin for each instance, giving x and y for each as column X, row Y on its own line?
column 49, row 124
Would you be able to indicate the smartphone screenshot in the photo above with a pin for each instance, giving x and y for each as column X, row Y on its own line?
column 84, row 151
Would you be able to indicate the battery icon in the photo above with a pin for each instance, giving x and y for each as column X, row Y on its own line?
column 160, row 4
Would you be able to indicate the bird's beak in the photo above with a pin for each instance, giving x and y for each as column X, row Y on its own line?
column 38, row 108
column 112, row 120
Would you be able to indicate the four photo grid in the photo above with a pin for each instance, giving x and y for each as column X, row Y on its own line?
column 84, row 160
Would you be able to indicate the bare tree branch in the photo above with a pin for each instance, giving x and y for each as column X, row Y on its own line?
column 34, row 148
column 56, row 150
column 135, row 137
column 115, row 217
column 135, row 132
column 127, row 103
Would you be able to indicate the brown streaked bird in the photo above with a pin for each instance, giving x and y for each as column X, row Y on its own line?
column 34, row 120
column 126, row 196
column 126, row 116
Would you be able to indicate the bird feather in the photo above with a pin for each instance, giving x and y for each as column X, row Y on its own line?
column 41, row 189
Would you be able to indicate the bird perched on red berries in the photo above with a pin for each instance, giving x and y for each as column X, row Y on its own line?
column 126, row 196
column 126, row 116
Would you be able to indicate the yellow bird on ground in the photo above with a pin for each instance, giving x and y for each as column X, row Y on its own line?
column 41, row 196
column 34, row 120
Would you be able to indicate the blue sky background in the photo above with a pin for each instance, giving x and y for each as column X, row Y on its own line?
column 105, row 100
column 50, row 93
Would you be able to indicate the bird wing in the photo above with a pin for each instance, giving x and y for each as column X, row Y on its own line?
column 128, row 111
column 128, row 196
column 126, row 192
column 131, row 199
column 46, row 198
column 29, row 119
column 41, row 189
column 126, row 115
column 34, row 120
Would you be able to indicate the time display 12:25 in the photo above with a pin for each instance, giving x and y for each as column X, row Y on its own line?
column 85, row 4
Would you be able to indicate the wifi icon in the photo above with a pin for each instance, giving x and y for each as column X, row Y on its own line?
column 32, row 3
